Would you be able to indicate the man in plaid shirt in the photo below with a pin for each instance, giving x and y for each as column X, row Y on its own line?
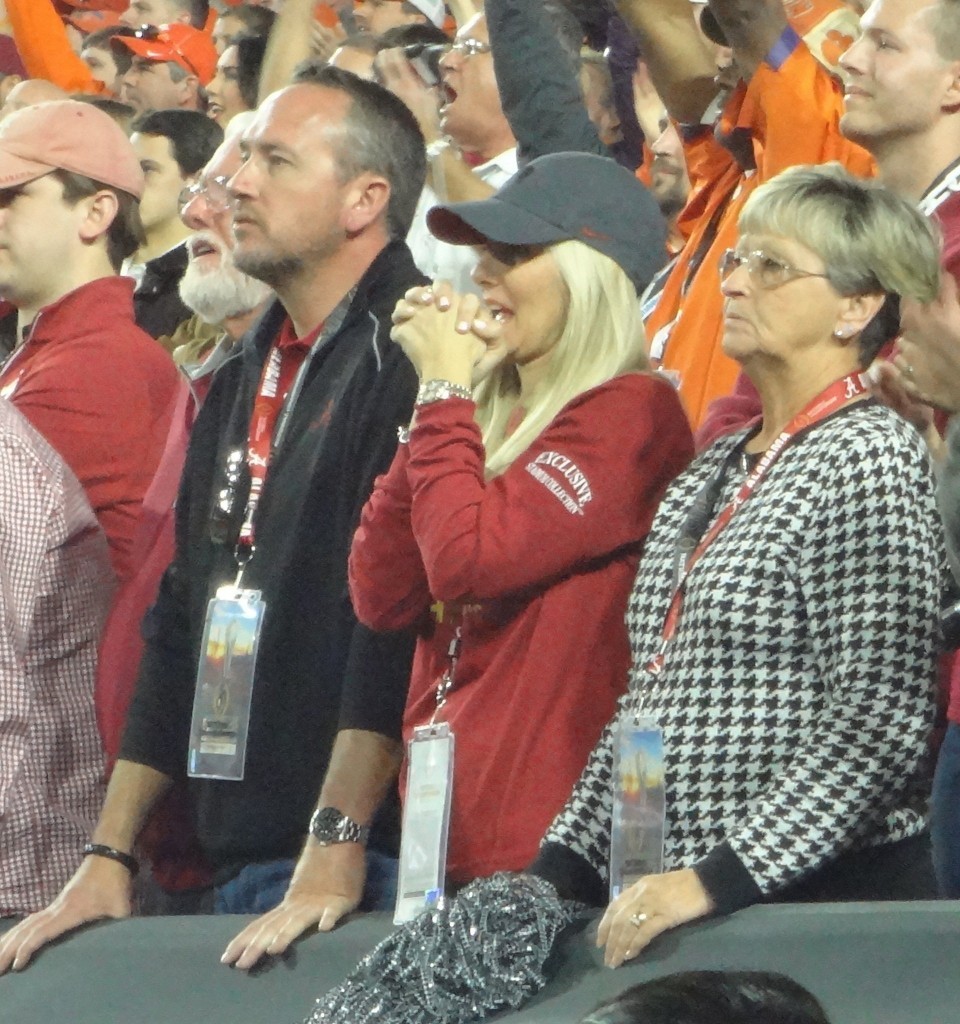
column 55, row 587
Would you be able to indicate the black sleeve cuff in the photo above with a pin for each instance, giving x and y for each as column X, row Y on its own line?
column 572, row 876
column 728, row 883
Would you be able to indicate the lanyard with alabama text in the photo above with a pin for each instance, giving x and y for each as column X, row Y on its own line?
column 833, row 398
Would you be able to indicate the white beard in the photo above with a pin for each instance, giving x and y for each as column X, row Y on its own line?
column 224, row 291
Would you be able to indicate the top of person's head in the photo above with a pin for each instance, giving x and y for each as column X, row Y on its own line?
column 713, row 997
column 256, row 20
column 193, row 136
column 87, row 21
column 71, row 136
column 122, row 113
column 381, row 135
column 871, row 240
column 566, row 197
column 101, row 38
column 109, row 7
column 193, row 12
column 188, row 48
column 239, row 123
column 417, row 33
column 30, row 92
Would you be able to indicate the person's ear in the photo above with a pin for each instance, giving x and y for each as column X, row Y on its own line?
column 367, row 199
column 98, row 212
column 856, row 311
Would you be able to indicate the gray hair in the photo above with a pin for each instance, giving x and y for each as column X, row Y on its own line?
column 871, row 240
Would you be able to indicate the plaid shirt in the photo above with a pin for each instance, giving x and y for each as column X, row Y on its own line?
column 55, row 588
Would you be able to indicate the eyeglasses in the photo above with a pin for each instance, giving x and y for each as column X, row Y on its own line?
column 152, row 34
column 767, row 271
column 511, row 255
column 213, row 190
column 468, row 47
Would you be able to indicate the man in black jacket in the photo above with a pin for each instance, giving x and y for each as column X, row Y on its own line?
column 282, row 457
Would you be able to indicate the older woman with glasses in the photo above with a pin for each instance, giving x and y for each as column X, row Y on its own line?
column 783, row 626
column 785, row 618
column 509, row 527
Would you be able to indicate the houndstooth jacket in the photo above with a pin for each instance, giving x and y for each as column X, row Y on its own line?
column 798, row 692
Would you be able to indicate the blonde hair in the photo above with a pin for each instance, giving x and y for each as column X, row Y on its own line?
column 602, row 337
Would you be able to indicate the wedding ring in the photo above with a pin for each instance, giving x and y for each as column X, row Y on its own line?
column 637, row 919
column 908, row 371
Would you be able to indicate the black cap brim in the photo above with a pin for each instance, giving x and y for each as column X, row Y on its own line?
column 492, row 220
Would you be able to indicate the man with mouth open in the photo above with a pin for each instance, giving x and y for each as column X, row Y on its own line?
column 225, row 301
column 470, row 145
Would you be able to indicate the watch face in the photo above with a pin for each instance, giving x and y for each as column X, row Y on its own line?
column 327, row 824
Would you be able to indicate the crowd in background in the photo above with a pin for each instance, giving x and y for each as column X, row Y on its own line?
column 528, row 373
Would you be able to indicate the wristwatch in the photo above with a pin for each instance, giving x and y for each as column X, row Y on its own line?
column 330, row 826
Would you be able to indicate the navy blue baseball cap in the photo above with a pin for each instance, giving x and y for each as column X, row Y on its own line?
column 563, row 197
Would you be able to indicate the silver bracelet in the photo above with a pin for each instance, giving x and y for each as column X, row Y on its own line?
column 437, row 390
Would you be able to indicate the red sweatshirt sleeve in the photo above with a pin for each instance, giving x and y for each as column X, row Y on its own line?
column 44, row 48
column 388, row 584
column 588, row 486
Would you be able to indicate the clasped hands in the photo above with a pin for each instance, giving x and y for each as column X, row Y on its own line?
column 448, row 336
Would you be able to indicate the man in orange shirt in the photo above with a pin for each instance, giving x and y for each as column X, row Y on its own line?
column 785, row 112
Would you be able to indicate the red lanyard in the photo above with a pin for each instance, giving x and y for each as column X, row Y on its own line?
column 279, row 372
column 838, row 395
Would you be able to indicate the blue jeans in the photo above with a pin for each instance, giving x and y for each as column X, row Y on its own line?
column 945, row 815
column 260, row 887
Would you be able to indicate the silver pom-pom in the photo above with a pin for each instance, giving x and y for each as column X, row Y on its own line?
column 482, row 952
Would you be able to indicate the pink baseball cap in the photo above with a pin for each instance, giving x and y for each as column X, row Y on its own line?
column 67, row 135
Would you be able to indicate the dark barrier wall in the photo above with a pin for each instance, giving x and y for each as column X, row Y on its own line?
column 892, row 963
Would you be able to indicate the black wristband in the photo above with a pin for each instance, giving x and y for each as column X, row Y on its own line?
column 127, row 860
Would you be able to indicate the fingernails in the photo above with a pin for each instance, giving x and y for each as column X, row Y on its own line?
column 479, row 325
column 463, row 327
column 443, row 303
column 426, row 297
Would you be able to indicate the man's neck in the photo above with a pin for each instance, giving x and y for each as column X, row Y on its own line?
column 237, row 326
column 310, row 296
column 162, row 240
column 492, row 146
column 909, row 166
column 28, row 310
